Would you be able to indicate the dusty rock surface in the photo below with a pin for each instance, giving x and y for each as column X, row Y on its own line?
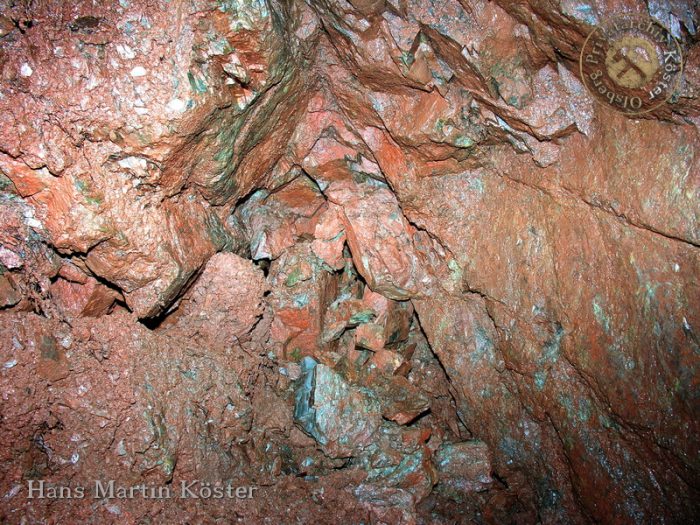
column 383, row 261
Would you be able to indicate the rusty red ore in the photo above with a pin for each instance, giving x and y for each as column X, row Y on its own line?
column 343, row 261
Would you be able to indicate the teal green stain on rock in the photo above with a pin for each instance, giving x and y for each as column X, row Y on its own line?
column 394, row 475
column 649, row 295
column 407, row 58
column 511, row 448
column 95, row 200
column 456, row 273
column 301, row 300
column 606, row 422
column 484, row 346
column 552, row 348
column 549, row 496
column 218, row 234
column 476, row 184
column 81, row 185
column 189, row 374
column 510, row 71
column 360, row 177
column 244, row 14
column 197, row 84
column 5, row 182
column 293, row 278
column 464, row 142
column 566, row 401
column 365, row 316
column 220, row 46
column 168, row 465
column 584, row 410
column 223, row 155
column 576, row 413
column 440, row 125
column 540, row 379
column 338, row 235
column 331, row 410
column 600, row 315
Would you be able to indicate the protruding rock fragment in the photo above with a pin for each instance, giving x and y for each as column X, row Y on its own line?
column 463, row 467
column 88, row 299
column 341, row 417
column 9, row 295
column 301, row 288
column 275, row 221
column 399, row 467
column 330, row 238
column 343, row 313
column 401, row 401
column 225, row 302
column 380, row 239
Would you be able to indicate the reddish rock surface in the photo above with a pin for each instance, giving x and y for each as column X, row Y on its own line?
column 224, row 304
column 384, row 261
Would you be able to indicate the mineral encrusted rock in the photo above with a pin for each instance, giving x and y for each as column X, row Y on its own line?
column 387, row 261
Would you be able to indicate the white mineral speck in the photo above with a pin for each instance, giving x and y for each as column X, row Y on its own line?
column 9, row 258
column 138, row 71
column 135, row 163
column 176, row 105
column 125, row 52
column 26, row 70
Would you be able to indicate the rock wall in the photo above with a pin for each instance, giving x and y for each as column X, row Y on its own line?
column 385, row 261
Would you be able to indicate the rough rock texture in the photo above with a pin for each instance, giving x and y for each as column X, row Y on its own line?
column 386, row 261
column 225, row 303
column 118, row 117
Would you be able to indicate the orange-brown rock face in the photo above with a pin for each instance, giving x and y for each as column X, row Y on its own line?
column 368, row 261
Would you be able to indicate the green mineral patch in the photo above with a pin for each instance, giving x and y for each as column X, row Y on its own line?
column 600, row 315
column 198, row 84
column 463, row 142
column 540, row 379
column 365, row 316
column 293, row 278
column 5, row 183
